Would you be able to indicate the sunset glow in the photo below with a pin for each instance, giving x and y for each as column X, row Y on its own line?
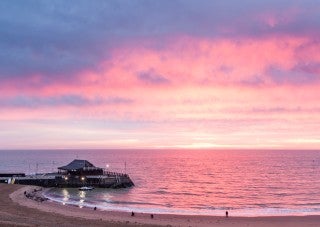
column 131, row 77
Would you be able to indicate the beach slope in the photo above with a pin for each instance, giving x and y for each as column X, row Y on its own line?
column 17, row 210
column 31, row 213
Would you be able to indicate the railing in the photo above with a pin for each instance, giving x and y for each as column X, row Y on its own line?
column 91, row 168
column 109, row 173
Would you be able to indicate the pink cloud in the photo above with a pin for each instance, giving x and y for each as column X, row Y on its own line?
column 217, row 87
column 281, row 17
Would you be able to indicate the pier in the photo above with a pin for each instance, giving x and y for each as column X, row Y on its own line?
column 77, row 173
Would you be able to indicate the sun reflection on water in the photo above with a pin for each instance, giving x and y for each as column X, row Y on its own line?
column 66, row 195
column 82, row 195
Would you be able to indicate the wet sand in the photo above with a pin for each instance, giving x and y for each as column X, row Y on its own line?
column 18, row 210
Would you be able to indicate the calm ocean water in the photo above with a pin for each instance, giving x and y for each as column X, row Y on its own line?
column 247, row 183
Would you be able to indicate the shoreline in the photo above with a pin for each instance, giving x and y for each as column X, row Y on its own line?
column 120, row 218
column 281, row 212
column 233, row 213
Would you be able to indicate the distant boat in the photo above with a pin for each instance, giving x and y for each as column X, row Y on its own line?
column 86, row 188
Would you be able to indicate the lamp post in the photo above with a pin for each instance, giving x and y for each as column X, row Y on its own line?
column 83, row 179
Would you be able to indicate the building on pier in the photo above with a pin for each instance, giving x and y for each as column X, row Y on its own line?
column 80, row 167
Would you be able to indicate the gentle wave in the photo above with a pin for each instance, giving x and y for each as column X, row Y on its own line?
column 193, row 210
column 206, row 182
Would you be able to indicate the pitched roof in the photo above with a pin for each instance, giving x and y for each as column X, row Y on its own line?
column 76, row 165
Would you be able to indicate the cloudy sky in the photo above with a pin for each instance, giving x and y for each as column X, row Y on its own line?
column 158, row 74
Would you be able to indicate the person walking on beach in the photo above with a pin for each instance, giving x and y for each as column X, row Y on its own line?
column 227, row 214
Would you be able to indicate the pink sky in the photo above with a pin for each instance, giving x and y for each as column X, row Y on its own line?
column 258, row 88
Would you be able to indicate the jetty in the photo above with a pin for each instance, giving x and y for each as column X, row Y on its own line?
column 78, row 173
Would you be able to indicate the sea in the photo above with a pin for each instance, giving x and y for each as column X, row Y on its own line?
column 189, row 182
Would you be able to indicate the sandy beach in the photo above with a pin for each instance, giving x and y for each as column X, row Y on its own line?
column 17, row 210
